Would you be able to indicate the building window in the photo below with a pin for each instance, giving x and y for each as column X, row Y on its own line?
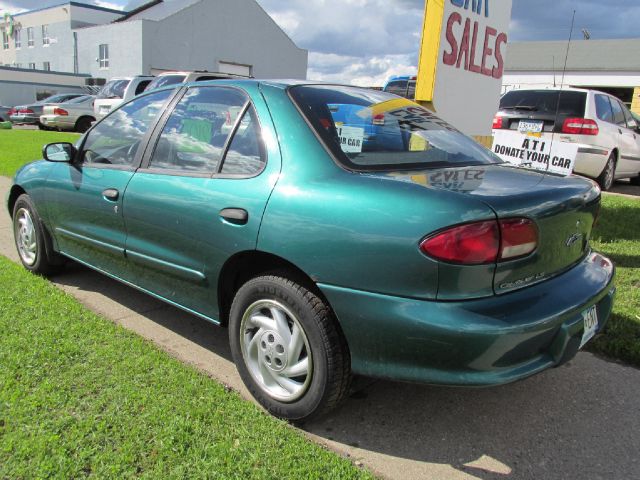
column 5, row 40
column 103, row 55
column 30, row 37
column 18, row 38
column 46, row 66
column 45, row 34
column 18, row 65
column 32, row 66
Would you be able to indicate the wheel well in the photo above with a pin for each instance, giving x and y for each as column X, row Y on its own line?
column 244, row 266
column 616, row 154
column 16, row 191
column 85, row 116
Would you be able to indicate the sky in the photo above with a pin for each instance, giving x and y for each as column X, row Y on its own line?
column 364, row 42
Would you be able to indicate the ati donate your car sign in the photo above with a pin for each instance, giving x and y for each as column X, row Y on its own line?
column 462, row 60
column 540, row 153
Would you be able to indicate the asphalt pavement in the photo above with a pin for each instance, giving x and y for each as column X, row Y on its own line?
column 579, row 421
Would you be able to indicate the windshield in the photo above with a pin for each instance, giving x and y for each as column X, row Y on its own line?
column 113, row 89
column 371, row 130
column 545, row 102
column 165, row 80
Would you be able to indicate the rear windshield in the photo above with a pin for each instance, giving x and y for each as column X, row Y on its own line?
column 83, row 98
column 113, row 89
column 371, row 130
column 166, row 80
column 545, row 102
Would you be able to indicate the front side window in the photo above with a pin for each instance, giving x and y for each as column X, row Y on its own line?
column 631, row 122
column 103, row 55
column 369, row 130
column 18, row 37
column 193, row 139
column 45, row 34
column 30, row 38
column 5, row 40
column 115, row 140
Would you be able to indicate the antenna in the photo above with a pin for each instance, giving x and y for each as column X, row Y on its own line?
column 553, row 60
column 564, row 71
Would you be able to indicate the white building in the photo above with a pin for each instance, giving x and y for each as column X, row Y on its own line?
column 216, row 35
column 612, row 66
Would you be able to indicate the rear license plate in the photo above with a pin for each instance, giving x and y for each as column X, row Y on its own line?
column 105, row 109
column 590, row 319
column 530, row 126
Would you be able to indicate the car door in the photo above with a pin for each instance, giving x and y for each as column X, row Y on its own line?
column 200, row 194
column 84, row 198
column 630, row 163
column 626, row 142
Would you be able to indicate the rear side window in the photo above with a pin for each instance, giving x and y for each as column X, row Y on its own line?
column 113, row 89
column 246, row 154
column 603, row 108
column 567, row 103
column 631, row 122
column 193, row 139
column 618, row 114
column 369, row 130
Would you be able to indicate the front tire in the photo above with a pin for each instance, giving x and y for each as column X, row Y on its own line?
column 30, row 237
column 608, row 175
column 288, row 349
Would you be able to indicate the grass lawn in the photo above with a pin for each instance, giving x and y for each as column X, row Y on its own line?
column 617, row 235
column 18, row 147
column 81, row 396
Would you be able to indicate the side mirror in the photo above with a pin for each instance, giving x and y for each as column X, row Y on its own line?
column 59, row 152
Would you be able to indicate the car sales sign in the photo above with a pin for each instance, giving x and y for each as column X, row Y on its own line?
column 540, row 152
column 462, row 61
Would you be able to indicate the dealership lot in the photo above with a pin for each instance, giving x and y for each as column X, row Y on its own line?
column 538, row 428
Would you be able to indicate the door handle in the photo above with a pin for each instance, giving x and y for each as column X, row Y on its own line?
column 111, row 194
column 620, row 131
column 238, row 216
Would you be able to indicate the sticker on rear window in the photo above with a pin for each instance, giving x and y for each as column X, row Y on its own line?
column 351, row 139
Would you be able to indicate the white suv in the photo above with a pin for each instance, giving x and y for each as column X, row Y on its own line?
column 117, row 91
column 173, row 78
column 607, row 135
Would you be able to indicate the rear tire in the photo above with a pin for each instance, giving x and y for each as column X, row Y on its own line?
column 288, row 349
column 608, row 175
column 31, row 238
column 635, row 181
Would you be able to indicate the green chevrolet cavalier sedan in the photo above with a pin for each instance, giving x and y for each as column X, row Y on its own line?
column 334, row 230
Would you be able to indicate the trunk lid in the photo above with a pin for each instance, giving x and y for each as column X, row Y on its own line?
column 563, row 208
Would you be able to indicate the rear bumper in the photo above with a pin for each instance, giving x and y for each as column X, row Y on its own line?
column 58, row 121
column 27, row 119
column 480, row 342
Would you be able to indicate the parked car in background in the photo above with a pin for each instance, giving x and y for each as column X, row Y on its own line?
column 4, row 113
column 166, row 79
column 435, row 262
column 30, row 114
column 403, row 85
column 118, row 91
column 76, row 114
column 607, row 135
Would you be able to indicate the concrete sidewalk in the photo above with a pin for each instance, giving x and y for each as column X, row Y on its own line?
column 578, row 421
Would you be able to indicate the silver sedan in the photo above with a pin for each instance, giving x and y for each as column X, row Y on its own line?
column 76, row 115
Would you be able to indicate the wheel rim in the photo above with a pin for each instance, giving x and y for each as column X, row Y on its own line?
column 608, row 177
column 25, row 234
column 276, row 351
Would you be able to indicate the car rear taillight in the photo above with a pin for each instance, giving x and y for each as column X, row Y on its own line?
column 580, row 126
column 485, row 242
column 60, row 111
column 378, row 119
column 518, row 238
column 497, row 122
column 12, row 111
column 25, row 110
column 470, row 244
